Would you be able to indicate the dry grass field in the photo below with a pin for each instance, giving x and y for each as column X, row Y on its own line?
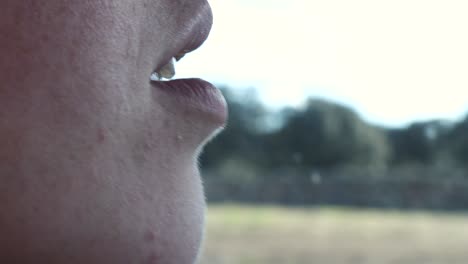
column 260, row 235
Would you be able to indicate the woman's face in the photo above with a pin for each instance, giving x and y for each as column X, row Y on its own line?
column 97, row 163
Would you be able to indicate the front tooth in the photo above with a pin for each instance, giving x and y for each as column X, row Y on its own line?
column 181, row 54
column 168, row 70
column 155, row 77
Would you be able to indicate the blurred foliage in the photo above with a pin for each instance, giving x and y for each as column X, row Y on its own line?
column 325, row 135
column 240, row 137
column 418, row 143
column 457, row 142
column 324, row 152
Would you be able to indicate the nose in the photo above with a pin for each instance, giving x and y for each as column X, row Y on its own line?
column 172, row 27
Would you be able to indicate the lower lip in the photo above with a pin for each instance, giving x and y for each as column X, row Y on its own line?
column 196, row 95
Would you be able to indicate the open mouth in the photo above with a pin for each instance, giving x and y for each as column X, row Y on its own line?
column 195, row 97
column 190, row 95
column 167, row 72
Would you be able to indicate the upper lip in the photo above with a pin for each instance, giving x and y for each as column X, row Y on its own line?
column 194, row 37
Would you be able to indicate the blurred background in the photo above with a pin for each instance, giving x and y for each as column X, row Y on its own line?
column 348, row 133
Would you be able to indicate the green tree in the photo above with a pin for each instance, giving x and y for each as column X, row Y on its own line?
column 325, row 135
column 456, row 141
column 418, row 143
column 241, row 139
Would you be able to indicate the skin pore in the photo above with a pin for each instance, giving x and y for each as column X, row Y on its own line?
column 95, row 165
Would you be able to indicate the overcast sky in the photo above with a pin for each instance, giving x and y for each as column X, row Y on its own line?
column 392, row 61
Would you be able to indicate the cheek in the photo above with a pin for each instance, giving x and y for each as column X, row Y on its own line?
column 149, row 219
column 171, row 199
column 175, row 227
column 165, row 192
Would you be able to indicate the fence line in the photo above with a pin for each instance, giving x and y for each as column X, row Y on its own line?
column 441, row 193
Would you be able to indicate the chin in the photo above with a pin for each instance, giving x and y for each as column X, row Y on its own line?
column 109, row 212
column 183, row 228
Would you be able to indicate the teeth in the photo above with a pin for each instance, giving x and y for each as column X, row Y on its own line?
column 180, row 55
column 166, row 72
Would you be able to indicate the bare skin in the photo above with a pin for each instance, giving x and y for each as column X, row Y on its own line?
column 95, row 165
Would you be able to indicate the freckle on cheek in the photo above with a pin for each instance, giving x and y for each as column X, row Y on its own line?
column 45, row 38
column 101, row 135
column 153, row 258
column 149, row 237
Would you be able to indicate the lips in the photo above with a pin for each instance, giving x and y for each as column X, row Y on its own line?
column 195, row 97
column 192, row 95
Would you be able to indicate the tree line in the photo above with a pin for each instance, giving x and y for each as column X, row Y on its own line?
column 325, row 153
